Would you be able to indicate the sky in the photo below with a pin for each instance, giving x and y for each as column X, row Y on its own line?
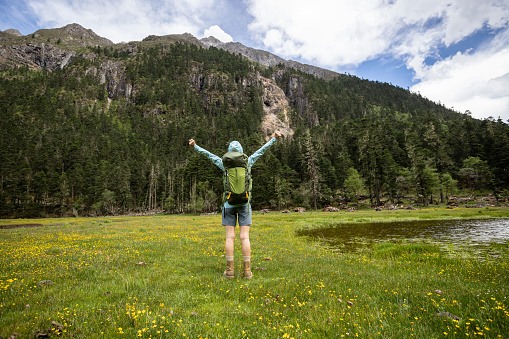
column 455, row 52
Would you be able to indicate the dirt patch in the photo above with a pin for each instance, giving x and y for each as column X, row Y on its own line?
column 20, row 226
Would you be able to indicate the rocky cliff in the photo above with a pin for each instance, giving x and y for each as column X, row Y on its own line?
column 276, row 109
column 35, row 56
column 113, row 74
column 298, row 99
column 276, row 106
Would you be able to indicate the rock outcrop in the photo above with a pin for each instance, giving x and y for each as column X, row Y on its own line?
column 295, row 92
column 112, row 73
column 35, row 56
column 300, row 101
column 75, row 31
column 14, row 32
column 276, row 109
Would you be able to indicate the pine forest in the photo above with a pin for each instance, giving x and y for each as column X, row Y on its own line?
column 70, row 145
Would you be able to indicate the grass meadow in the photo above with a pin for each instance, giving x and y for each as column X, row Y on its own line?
column 161, row 277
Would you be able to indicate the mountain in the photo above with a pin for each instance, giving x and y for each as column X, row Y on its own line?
column 89, row 127
column 71, row 36
column 46, row 48
column 14, row 32
column 262, row 57
column 268, row 59
column 74, row 36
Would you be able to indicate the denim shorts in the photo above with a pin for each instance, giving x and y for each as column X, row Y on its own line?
column 243, row 213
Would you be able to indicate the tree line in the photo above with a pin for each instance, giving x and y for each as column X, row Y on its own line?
column 67, row 148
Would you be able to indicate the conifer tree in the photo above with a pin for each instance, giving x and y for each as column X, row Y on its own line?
column 312, row 168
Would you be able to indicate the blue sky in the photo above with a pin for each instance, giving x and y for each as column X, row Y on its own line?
column 451, row 51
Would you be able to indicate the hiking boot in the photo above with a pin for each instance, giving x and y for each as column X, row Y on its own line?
column 247, row 274
column 229, row 270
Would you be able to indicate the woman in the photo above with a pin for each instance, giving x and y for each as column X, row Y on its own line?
column 240, row 212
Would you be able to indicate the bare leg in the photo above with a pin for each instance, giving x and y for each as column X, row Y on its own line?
column 246, row 252
column 244, row 239
column 230, row 238
column 228, row 247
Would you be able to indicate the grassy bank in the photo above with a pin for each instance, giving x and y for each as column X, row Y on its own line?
column 160, row 277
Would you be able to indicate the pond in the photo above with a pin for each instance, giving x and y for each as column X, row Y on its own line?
column 478, row 237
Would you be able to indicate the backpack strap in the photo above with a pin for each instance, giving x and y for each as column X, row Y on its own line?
column 226, row 185
column 248, row 182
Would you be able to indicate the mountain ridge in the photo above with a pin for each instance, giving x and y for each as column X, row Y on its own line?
column 75, row 36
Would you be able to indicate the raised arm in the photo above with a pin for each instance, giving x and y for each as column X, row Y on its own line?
column 253, row 158
column 214, row 158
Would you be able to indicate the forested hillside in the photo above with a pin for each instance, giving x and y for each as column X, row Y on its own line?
column 107, row 133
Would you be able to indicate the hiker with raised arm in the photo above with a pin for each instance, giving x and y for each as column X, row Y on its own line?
column 236, row 167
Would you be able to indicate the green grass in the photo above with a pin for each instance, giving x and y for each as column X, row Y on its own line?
column 161, row 277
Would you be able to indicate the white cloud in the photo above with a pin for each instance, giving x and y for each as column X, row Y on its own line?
column 125, row 20
column 465, row 17
column 344, row 34
column 476, row 81
column 217, row 33
column 329, row 33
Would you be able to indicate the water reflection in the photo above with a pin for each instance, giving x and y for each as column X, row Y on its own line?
column 479, row 236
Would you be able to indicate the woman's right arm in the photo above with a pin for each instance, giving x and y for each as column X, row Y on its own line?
column 214, row 158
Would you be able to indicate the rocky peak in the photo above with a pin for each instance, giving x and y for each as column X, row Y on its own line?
column 35, row 56
column 211, row 41
column 76, row 31
column 186, row 37
column 13, row 31
column 46, row 48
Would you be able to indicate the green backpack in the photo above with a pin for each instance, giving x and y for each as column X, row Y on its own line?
column 237, row 178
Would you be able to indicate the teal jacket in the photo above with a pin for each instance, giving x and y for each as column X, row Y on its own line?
column 235, row 146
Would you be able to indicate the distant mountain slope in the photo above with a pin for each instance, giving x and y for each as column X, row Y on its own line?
column 268, row 59
column 71, row 36
column 74, row 36
column 46, row 48
column 260, row 56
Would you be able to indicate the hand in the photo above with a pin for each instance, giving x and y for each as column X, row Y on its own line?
column 277, row 134
column 192, row 142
